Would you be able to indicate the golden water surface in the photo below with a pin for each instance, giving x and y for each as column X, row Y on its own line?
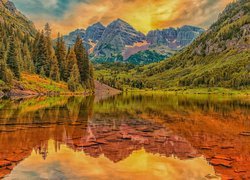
column 140, row 136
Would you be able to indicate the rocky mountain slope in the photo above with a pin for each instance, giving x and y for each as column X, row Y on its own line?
column 119, row 40
column 10, row 15
column 116, row 37
column 174, row 38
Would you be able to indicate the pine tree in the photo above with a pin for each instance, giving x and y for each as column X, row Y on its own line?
column 54, row 73
column 60, row 52
column 42, row 55
column 35, row 48
column 5, row 73
column 74, row 80
column 50, row 49
column 28, row 63
column 82, row 61
column 71, row 59
column 12, row 58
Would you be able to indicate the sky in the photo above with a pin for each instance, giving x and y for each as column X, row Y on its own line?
column 65, row 16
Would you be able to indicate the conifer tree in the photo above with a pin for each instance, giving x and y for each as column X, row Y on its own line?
column 42, row 56
column 71, row 59
column 50, row 49
column 5, row 73
column 60, row 52
column 54, row 73
column 12, row 58
column 35, row 48
column 28, row 63
column 74, row 80
column 82, row 61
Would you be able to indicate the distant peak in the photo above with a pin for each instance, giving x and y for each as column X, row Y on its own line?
column 98, row 24
column 120, row 21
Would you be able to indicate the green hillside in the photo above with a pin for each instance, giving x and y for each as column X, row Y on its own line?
column 146, row 57
column 218, row 58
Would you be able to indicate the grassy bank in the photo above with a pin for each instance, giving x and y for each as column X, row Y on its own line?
column 183, row 90
column 32, row 84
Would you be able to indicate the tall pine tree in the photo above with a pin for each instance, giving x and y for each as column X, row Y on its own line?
column 82, row 62
column 12, row 58
column 60, row 51
column 50, row 49
column 74, row 80
column 54, row 72
column 42, row 55
column 71, row 59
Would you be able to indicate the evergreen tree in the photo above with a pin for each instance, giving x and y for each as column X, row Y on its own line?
column 42, row 55
column 12, row 58
column 74, row 80
column 71, row 59
column 35, row 49
column 50, row 49
column 28, row 63
column 60, row 52
column 5, row 73
column 83, row 62
column 54, row 73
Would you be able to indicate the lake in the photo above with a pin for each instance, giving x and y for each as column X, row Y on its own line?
column 128, row 136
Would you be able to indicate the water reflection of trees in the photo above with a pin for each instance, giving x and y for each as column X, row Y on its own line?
column 174, row 103
column 46, row 110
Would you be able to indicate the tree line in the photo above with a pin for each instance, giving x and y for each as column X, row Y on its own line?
column 22, row 52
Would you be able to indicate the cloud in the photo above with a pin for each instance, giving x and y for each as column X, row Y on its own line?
column 144, row 15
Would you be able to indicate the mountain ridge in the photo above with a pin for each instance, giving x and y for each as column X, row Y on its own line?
column 119, row 40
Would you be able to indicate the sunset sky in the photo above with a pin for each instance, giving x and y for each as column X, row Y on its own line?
column 68, row 15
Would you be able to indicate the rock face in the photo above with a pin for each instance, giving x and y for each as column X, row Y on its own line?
column 116, row 37
column 174, row 38
column 119, row 40
column 70, row 39
column 94, row 32
column 230, row 32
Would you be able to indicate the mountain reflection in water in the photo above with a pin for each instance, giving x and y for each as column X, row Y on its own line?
column 141, row 136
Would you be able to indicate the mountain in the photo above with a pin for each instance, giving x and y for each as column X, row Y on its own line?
column 116, row 37
column 94, row 33
column 71, row 38
column 218, row 58
column 9, row 14
column 173, row 38
column 119, row 40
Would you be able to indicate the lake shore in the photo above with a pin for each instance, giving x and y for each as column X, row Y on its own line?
column 195, row 91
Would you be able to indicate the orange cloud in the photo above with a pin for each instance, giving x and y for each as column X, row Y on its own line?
column 144, row 15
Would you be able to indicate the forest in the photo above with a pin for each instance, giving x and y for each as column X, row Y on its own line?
column 22, row 52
